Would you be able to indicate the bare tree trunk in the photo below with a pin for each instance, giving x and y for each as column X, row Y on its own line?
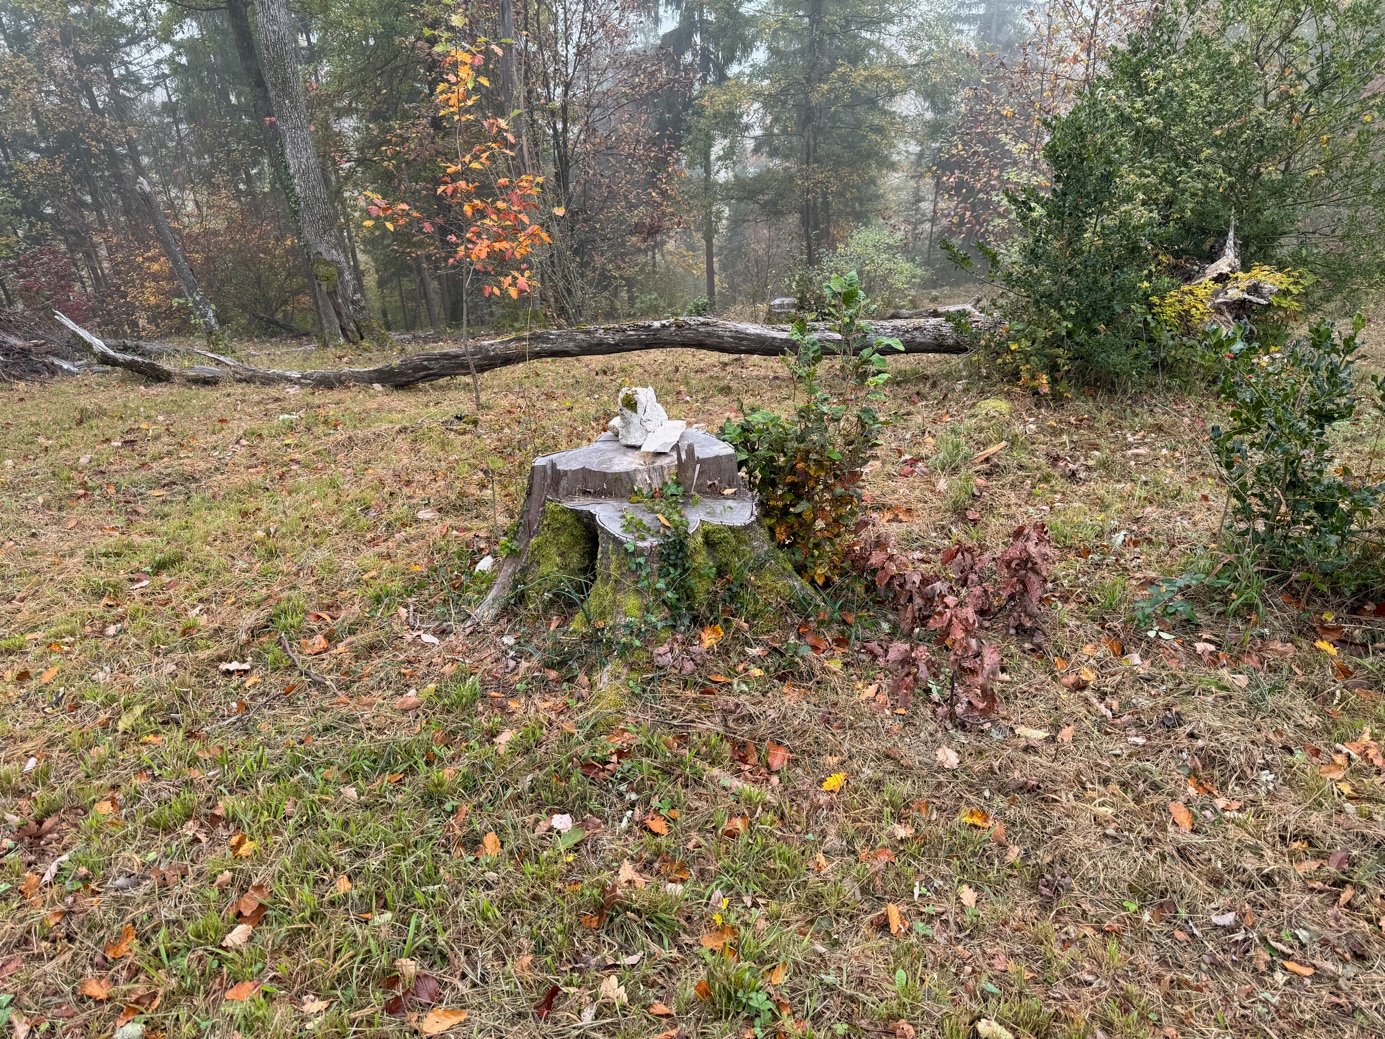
column 341, row 303
column 203, row 311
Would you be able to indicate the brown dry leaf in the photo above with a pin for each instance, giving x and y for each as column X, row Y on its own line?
column 1278, row 650
column 408, row 702
column 896, row 918
column 947, row 757
column 106, row 807
column 1065, row 734
column 239, row 993
column 30, row 885
column 48, row 675
column 1299, row 969
column 1181, row 815
column 222, row 879
column 629, row 876
column 967, row 894
column 94, row 988
column 702, row 990
column 343, row 884
column 660, row 1010
column 241, row 845
column 735, row 826
column 313, row 647
column 710, row 635
column 435, row 1022
column 121, row 947
column 655, row 823
column 776, row 756
column 240, row 935
column 720, row 939
column 779, row 973
column 490, row 845
column 315, row 1006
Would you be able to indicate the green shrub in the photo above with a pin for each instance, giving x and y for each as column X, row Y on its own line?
column 807, row 469
column 1217, row 107
column 1291, row 500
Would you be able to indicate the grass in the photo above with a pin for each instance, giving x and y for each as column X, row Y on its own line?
column 151, row 535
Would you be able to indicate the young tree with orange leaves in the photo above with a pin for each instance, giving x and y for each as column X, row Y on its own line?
column 484, row 210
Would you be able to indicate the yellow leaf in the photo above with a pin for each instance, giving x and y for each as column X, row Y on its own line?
column 1326, row 647
column 389, row 226
column 834, row 782
column 559, row 211
column 976, row 817
column 367, row 223
column 711, row 634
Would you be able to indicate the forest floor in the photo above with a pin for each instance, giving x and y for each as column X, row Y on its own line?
column 262, row 775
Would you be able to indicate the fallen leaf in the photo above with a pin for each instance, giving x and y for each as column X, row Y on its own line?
column 988, row 1029
column 1326, row 647
column 1299, row 969
column 660, row 1010
column 240, row 935
column 315, row 1006
column 1181, row 815
column 720, row 939
column 94, row 988
column 897, row 924
column 544, row 1007
column 613, row 991
column 710, row 635
column 628, row 876
column 239, row 993
column 776, row 756
column 435, row 1022
column 121, row 947
column 976, row 817
column 656, row 823
column 408, row 702
column 1065, row 734
column 1224, row 919
column 967, row 894
column 947, row 757
column 490, row 845
column 315, row 646
column 428, row 514
column 834, row 782
column 343, row 884
column 241, row 845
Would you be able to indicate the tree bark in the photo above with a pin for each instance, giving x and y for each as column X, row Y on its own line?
column 204, row 312
column 934, row 335
column 341, row 303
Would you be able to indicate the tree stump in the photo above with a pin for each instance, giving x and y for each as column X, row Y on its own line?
column 590, row 540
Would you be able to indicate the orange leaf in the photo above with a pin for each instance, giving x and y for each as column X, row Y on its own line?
column 94, row 988
column 1299, row 969
column 240, row 992
column 655, row 823
column 490, row 844
column 660, row 1010
column 115, row 950
column 896, row 918
column 435, row 1022
column 1181, row 815
column 702, row 990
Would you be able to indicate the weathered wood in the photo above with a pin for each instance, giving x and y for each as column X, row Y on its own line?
column 922, row 336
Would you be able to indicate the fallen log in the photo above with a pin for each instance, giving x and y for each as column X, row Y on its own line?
column 932, row 335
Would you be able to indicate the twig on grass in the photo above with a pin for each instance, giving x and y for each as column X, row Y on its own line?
column 312, row 676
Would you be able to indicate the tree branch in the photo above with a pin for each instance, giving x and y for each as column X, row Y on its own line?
column 930, row 335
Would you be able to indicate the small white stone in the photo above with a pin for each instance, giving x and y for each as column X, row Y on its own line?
column 640, row 415
column 663, row 438
column 485, row 564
